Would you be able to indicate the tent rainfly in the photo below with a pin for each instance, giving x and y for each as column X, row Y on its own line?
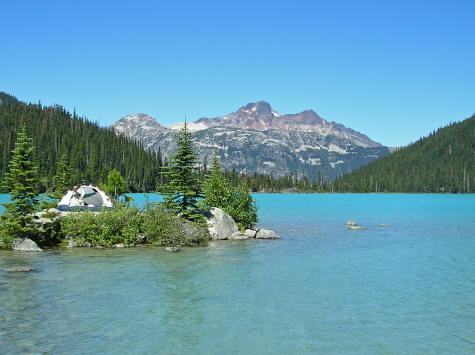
column 84, row 197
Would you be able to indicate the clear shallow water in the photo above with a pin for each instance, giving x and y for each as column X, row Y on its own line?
column 405, row 288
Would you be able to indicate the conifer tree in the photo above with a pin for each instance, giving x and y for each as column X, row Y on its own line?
column 183, row 189
column 115, row 184
column 63, row 178
column 216, row 189
column 21, row 183
column 234, row 200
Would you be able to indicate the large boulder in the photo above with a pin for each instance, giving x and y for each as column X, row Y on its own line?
column 26, row 244
column 266, row 234
column 220, row 224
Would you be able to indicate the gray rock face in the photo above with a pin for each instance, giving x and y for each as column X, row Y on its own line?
column 266, row 234
column 25, row 245
column 238, row 236
column 250, row 233
column 220, row 224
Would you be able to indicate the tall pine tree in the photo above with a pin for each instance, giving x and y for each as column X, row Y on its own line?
column 21, row 182
column 183, row 190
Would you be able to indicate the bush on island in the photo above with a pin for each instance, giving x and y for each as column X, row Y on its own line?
column 124, row 225
column 235, row 201
column 163, row 228
column 105, row 228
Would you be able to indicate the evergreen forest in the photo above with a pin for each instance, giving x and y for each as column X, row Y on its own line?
column 90, row 151
column 444, row 161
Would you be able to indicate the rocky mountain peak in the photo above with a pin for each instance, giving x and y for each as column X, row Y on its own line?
column 260, row 108
column 137, row 124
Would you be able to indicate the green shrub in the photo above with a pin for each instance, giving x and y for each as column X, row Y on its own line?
column 8, row 231
column 50, row 234
column 124, row 224
column 163, row 228
column 242, row 208
column 235, row 201
column 104, row 228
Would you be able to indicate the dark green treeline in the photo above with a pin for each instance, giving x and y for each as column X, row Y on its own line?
column 92, row 151
column 444, row 161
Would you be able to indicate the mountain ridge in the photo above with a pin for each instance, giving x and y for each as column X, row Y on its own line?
column 256, row 138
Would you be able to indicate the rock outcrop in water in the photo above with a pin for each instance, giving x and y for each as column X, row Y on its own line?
column 266, row 234
column 26, row 244
column 221, row 226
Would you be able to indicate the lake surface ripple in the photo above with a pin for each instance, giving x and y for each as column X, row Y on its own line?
column 408, row 287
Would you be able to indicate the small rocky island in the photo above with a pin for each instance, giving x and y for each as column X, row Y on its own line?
column 221, row 226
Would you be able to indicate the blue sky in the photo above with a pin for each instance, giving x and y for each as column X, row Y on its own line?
column 392, row 70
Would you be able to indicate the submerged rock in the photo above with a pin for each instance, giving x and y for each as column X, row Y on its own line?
column 220, row 224
column 20, row 269
column 266, row 234
column 356, row 227
column 353, row 225
column 26, row 244
column 172, row 249
column 250, row 233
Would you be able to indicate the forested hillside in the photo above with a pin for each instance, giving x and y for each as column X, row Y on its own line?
column 442, row 162
column 91, row 151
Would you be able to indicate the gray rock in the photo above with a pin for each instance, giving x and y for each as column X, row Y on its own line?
column 238, row 236
column 220, row 224
column 71, row 243
column 26, row 244
column 250, row 233
column 266, row 234
column 173, row 249
column 120, row 245
column 20, row 269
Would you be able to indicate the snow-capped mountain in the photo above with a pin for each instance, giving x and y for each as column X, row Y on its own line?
column 256, row 138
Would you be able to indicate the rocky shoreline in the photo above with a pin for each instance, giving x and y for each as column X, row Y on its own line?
column 220, row 225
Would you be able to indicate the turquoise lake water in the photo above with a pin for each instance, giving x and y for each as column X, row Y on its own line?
column 408, row 287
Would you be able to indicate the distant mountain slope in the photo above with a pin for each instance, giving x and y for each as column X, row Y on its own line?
column 92, row 150
column 256, row 138
column 442, row 162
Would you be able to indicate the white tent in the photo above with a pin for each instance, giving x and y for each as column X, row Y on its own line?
column 84, row 197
